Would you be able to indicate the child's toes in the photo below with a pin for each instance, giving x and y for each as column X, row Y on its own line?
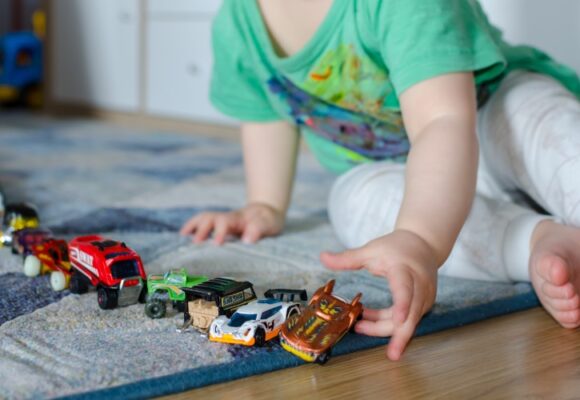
column 563, row 292
column 566, row 304
column 559, row 271
column 568, row 319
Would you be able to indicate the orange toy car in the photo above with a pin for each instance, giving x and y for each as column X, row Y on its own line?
column 321, row 325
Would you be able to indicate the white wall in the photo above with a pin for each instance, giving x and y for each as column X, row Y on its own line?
column 551, row 25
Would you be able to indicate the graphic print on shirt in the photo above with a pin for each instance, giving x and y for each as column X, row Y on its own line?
column 345, row 100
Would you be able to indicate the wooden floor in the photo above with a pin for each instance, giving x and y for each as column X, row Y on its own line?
column 519, row 356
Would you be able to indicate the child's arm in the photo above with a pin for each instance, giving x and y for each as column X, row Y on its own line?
column 439, row 116
column 441, row 173
column 270, row 151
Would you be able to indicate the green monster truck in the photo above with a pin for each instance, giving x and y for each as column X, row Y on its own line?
column 168, row 287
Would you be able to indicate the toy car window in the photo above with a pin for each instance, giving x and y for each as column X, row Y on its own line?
column 238, row 319
column 176, row 279
column 248, row 294
column 124, row 269
column 25, row 57
column 269, row 313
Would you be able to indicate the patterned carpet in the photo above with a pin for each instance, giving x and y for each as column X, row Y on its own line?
column 137, row 186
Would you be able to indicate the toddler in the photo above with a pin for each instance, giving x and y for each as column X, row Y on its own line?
column 457, row 153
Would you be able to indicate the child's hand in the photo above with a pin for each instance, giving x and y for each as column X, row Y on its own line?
column 408, row 263
column 251, row 223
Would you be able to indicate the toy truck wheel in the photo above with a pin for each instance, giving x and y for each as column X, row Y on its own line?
column 155, row 308
column 77, row 284
column 293, row 311
column 323, row 358
column 259, row 337
column 107, row 298
column 32, row 266
column 57, row 281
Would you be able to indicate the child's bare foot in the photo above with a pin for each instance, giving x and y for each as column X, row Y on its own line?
column 555, row 271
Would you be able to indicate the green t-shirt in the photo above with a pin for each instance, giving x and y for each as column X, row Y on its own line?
column 342, row 89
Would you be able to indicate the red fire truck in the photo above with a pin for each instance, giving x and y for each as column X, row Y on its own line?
column 113, row 268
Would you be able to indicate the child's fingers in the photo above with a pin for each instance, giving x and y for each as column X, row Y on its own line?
column 203, row 229
column 380, row 328
column 403, row 333
column 399, row 340
column 350, row 259
column 189, row 226
column 402, row 288
column 221, row 229
column 375, row 315
column 252, row 233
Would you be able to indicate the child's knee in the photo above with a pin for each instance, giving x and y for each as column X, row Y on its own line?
column 364, row 203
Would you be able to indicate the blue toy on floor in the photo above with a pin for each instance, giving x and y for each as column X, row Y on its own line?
column 20, row 67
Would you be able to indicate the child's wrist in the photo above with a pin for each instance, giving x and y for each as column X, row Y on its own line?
column 276, row 210
column 429, row 252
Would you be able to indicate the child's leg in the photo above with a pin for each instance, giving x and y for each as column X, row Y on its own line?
column 530, row 137
column 529, row 132
column 494, row 244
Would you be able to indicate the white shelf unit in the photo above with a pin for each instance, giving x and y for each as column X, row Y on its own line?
column 179, row 59
column 95, row 59
column 147, row 57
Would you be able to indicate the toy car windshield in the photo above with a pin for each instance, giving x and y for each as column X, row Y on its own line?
column 176, row 279
column 286, row 294
column 238, row 319
column 124, row 269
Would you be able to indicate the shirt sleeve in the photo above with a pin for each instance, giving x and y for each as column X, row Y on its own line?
column 421, row 39
column 235, row 88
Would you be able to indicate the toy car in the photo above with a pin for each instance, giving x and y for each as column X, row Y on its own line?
column 50, row 256
column 321, row 325
column 25, row 239
column 20, row 68
column 17, row 217
column 112, row 267
column 255, row 323
column 168, row 287
column 218, row 296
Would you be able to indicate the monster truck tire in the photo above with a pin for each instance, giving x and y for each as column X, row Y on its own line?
column 32, row 266
column 323, row 358
column 293, row 311
column 155, row 308
column 78, row 284
column 57, row 281
column 260, row 337
column 107, row 298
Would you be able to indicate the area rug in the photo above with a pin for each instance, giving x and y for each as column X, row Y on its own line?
column 139, row 186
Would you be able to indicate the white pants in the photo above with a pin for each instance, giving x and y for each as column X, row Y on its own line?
column 529, row 134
